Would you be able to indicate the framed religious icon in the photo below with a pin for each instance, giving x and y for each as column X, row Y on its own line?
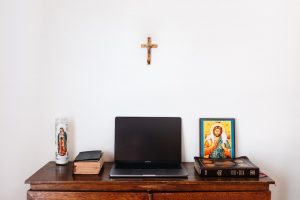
column 217, row 137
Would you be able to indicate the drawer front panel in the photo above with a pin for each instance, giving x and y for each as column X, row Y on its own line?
column 213, row 196
column 39, row 195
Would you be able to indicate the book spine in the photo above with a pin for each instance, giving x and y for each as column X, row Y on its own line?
column 227, row 172
column 230, row 173
column 197, row 168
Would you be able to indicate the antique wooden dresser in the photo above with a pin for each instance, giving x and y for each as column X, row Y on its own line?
column 58, row 182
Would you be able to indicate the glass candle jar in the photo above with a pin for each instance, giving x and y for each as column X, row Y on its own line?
column 61, row 141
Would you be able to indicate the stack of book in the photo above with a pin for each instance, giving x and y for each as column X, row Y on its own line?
column 231, row 167
column 88, row 162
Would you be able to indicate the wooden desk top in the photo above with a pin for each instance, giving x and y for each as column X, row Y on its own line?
column 60, row 178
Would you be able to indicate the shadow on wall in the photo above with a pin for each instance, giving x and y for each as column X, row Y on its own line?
column 282, row 188
column 108, row 156
column 72, row 140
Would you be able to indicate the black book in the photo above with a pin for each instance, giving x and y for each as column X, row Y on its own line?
column 231, row 167
column 89, row 156
column 88, row 162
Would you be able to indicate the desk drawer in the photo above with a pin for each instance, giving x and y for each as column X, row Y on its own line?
column 266, row 195
column 40, row 195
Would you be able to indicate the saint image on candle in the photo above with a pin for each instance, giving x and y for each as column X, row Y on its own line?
column 62, row 142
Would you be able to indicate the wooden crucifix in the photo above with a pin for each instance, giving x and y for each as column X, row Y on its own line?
column 149, row 46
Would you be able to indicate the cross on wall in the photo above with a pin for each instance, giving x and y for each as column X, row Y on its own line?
column 149, row 46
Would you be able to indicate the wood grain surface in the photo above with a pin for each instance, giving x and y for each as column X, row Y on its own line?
column 213, row 196
column 58, row 182
column 34, row 195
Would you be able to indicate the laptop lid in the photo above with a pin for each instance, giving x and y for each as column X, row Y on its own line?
column 148, row 140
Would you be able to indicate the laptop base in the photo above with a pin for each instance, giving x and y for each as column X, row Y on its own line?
column 121, row 172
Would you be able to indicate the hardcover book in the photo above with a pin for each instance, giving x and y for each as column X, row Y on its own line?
column 88, row 162
column 231, row 167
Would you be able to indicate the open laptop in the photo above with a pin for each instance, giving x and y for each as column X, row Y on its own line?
column 147, row 147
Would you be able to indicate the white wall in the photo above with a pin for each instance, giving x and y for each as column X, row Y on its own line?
column 23, row 138
column 82, row 60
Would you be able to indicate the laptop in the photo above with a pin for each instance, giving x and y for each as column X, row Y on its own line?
column 147, row 147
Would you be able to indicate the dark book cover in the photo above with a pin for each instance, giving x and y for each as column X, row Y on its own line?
column 231, row 167
column 89, row 156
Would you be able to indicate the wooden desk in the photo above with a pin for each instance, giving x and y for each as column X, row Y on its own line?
column 54, row 182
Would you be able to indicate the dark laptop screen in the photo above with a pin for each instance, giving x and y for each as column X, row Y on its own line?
column 152, row 140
